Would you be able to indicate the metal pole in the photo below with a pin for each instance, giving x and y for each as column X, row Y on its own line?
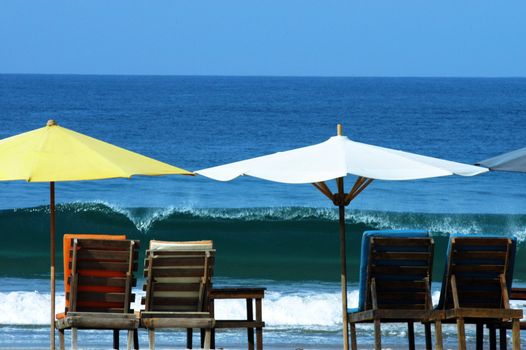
column 52, row 253
column 343, row 260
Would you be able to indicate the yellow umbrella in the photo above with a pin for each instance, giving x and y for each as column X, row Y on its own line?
column 54, row 153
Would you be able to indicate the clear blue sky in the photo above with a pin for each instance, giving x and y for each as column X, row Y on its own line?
column 271, row 37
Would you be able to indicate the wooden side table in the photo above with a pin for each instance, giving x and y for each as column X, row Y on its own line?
column 249, row 294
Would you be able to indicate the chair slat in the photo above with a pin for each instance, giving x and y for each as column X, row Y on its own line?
column 180, row 261
column 404, row 297
column 176, row 287
column 107, row 244
column 104, row 265
column 175, row 301
column 104, row 254
column 487, row 269
column 397, row 285
column 498, row 243
column 398, row 306
column 178, row 272
column 103, row 281
column 399, row 270
column 103, row 297
column 402, row 256
column 484, row 255
column 518, row 294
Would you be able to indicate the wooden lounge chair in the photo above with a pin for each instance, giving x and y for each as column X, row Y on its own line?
column 178, row 280
column 476, row 286
column 101, row 280
column 395, row 277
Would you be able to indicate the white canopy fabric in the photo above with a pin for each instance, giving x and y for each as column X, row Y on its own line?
column 511, row 161
column 337, row 157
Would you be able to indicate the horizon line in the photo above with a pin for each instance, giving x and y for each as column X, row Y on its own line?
column 270, row 76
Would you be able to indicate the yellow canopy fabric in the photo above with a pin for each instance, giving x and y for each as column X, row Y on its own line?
column 54, row 153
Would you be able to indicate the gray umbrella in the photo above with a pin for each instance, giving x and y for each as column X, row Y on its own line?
column 511, row 161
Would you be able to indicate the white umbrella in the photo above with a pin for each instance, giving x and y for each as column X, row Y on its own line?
column 334, row 159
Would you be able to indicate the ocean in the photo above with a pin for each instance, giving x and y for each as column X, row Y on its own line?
column 282, row 237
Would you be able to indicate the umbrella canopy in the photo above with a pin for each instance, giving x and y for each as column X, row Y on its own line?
column 54, row 153
column 511, row 161
column 338, row 157
column 334, row 159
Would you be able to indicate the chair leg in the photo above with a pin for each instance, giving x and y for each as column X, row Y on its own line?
column 377, row 335
column 438, row 335
column 151, row 338
column 130, row 339
column 208, row 337
column 411, row 335
column 116, row 339
column 202, row 337
column 189, row 337
column 461, row 333
column 480, row 336
column 354, row 344
column 516, row 336
column 73, row 338
column 213, row 341
column 427, row 329
column 61, row 339
column 492, row 337
column 136, row 339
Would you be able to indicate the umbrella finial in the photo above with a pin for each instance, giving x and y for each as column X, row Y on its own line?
column 51, row 122
column 339, row 129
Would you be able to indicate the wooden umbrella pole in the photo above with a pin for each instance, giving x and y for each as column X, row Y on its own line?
column 343, row 260
column 52, row 253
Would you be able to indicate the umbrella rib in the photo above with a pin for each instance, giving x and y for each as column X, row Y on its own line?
column 356, row 190
column 323, row 188
column 357, row 184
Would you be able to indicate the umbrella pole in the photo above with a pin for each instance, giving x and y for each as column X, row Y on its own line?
column 52, row 269
column 343, row 260
column 343, row 257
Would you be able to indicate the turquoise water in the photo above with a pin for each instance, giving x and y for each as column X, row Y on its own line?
column 283, row 237
column 276, row 243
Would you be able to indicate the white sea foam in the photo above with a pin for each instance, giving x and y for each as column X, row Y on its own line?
column 27, row 308
column 308, row 311
column 282, row 310
column 279, row 309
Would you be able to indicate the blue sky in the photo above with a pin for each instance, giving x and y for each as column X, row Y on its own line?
column 284, row 37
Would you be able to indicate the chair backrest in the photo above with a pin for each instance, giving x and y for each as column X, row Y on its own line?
column 400, row 268
column 102, row 275
column 178, row 276
column 478, row 262
column 67, row 243
column 364, row 288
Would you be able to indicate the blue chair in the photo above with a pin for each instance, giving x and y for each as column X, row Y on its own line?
column 476, row 286
column 395, row 277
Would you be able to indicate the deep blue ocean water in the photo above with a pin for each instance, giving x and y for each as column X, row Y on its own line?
column 280, row 236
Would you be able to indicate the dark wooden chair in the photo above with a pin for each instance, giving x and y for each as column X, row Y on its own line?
column 475, row 287
column 177, row 284
column 397, row 284
column 101, row 279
